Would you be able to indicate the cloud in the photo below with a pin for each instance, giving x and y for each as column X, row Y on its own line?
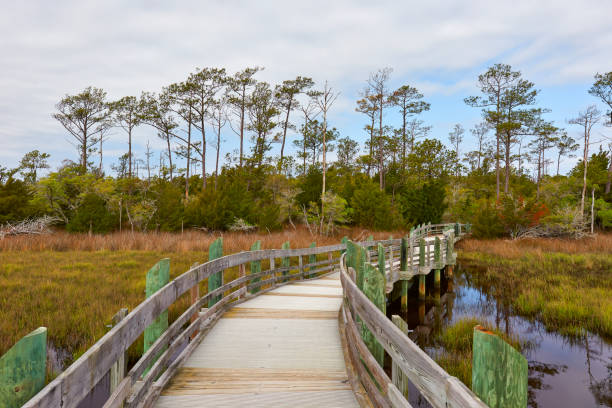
column 53, row 48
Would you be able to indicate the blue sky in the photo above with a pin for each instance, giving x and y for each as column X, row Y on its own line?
column 50, row 49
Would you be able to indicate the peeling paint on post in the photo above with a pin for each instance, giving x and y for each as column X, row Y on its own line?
column 499, row 372
column 216, row 279
column 23, row 369
column 374, row 289
column 255, row 266
column 286, row 262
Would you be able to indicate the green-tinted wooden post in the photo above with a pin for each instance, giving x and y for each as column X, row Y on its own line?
column 499, row 372
column 437, row 262
column 216, row 279
column 374, row 289
column 421, row 264
column 356, row 255
column 381, row 259
column 404, row 267
column 457, row 230
column 312, row 258
column 344, row 241
column 255, row 266
column 399, row 379
column 286, row 262
column 157, row 277
column 23, row 369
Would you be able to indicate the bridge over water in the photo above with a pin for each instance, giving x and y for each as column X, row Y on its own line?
column 308, row 331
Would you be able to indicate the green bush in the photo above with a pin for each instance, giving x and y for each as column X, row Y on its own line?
column 15, row 201
column 373, row 208
column 92, row 215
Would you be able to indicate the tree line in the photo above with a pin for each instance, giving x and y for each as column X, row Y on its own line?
column 399, row 177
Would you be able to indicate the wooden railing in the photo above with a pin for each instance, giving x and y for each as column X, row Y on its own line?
column 143, row 383
column 359, row 312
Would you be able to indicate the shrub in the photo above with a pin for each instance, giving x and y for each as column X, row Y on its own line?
column 373, row 208
column 92, row 215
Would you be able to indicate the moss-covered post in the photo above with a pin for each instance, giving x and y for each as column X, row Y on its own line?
column 399, row 379
column 286, row 262
column 457, row 229
column 381, row 259
column 23, row 368
column 421, row 266
column 437, row 262
column 356, row 258
column 344, row 241
column 312, row 258
column 404, row 267
column 450, row 259
column 216, row 279
column 255, row 266
column 374, row 289
column 499, row 372
column 157, row 277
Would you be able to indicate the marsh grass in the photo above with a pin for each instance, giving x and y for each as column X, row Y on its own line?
column 456, row 342
column 73, row 284
column 565, row 284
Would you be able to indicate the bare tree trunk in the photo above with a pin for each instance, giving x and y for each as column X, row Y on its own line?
column 218, row 148
column 130, row 152
column 100, row 168
column 507, row 154
column 280, row 163
column 169, row 154
column 242, row 122
column 592, row 209
column 585, row 157
column 203, row 154
column 497, row 169
column 609, row 182
column 188, row 155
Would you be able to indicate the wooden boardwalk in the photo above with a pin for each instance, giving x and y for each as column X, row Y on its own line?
column 280, row 349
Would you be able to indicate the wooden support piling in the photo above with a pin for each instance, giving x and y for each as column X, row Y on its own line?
column 421, row 265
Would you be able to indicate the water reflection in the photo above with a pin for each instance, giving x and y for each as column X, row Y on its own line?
column 563, row 372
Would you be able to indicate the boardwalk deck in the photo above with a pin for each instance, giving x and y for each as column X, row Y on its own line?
column 279, row 349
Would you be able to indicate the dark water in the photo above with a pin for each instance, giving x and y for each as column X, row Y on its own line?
column 563, row 371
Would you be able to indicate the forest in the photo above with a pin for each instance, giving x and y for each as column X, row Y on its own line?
column 509, row 186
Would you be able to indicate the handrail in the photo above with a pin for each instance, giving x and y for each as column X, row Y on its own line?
column 76, row 382
column 435, row 384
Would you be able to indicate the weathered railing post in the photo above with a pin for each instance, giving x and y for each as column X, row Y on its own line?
column 301, row 267
column 405, row 258
column 399, row 379
column 255, row 266
column 381, row 258
column 421, row 268
column 286, row 262
column 344, row 240
column 216, row 279
column 450, row 259
column 117, row 371
column 23, row 369
column 312, row 259
column 194, row 294
column 157, row 277
column 272, row 267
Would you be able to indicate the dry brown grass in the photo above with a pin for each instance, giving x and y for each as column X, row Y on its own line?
column 189, row 241
column 600, row 243
column 74, row 283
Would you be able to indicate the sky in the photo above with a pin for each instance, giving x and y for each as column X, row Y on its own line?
column 50, row 49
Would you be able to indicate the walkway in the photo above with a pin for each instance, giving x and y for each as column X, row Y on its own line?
column 280, row 349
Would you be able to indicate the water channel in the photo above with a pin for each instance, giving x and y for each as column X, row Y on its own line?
column 563, row 371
